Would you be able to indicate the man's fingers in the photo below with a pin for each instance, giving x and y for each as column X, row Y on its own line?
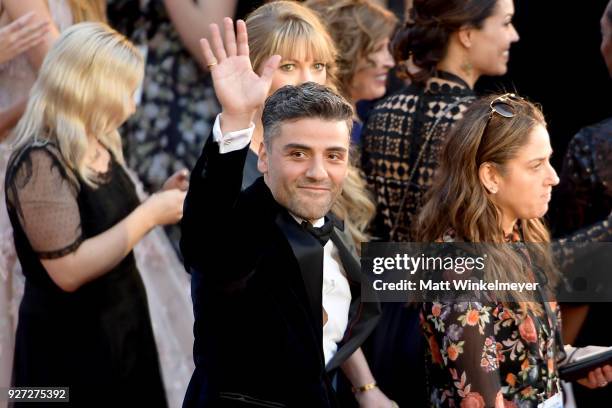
column 243, row 38
column 207, row 52
column 217, row 43
column 230, row 37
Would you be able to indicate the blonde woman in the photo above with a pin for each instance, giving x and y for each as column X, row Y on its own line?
column 307, row 53
column 161, row 270
column 16, row 78
column 83, row 319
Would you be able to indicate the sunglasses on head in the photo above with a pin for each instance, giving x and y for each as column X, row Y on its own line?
column 502, row 106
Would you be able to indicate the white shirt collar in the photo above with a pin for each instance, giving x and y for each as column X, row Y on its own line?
column 318, row 223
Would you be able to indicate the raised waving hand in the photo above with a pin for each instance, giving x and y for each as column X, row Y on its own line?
column 240, row 90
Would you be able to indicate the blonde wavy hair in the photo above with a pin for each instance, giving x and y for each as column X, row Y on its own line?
column 457, row 199
column 83, row 89
column 357, row 27
column 290, row 29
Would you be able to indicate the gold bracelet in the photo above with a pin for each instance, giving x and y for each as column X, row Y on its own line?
column 365, row 387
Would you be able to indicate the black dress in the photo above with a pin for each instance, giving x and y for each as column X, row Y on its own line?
column 97, row 340
column 582, row 213
column 401, row 142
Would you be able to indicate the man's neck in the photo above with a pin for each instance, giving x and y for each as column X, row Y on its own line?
column 315, row 223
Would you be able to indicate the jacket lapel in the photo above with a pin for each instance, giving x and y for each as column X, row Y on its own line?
column 309, row 255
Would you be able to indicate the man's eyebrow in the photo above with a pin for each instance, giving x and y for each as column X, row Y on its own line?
column 341, row 149
column 291, row 146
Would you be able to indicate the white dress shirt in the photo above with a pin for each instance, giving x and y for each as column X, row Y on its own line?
column 336, row 289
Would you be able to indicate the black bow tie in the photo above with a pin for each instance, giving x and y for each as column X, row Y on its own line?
column 322, row 234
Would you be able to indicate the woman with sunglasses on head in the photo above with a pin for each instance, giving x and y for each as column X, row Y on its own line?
column 444, row 47
column 493, row 186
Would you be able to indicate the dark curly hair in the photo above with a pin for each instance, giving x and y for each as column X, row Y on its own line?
column 426, row 32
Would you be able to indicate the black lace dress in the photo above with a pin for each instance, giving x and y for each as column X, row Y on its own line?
column 401, row 143
column 583, row 213
column 97, row 340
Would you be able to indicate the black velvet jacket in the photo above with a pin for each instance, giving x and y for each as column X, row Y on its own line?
column 257, row 294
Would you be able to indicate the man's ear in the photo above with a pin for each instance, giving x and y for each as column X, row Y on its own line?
column 489, row 177
column 262, row 159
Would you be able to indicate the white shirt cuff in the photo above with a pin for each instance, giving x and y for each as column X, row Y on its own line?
column 232, row 141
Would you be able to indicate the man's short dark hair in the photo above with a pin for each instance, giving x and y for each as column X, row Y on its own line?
column 308, row 100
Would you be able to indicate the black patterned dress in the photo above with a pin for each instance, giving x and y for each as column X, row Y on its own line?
column 401, row 143
column 178, row 103
column 98, row 339
column 583, row 213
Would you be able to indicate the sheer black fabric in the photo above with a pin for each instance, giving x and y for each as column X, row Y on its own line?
column 401, row 143
column 97, row 340
column 44, row 198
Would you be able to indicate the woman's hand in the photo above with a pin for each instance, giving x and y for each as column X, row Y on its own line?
column 166, row 207
column 179, row 180
column 21, row 35
column 598, row 378
column 239, row 89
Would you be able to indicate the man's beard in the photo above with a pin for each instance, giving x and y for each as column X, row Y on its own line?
column 300, row 206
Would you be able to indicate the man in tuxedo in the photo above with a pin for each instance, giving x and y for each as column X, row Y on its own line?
column 276, row 286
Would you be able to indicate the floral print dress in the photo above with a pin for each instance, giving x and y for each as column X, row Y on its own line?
column 489, row 354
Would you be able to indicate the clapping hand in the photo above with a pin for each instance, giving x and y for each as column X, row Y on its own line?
column 239, row 89
column 21, row 35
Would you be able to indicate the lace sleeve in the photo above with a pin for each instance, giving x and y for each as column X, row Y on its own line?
column 44, row 198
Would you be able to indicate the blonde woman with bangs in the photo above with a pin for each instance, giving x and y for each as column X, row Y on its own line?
column 84, row 321
column 307, row 54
